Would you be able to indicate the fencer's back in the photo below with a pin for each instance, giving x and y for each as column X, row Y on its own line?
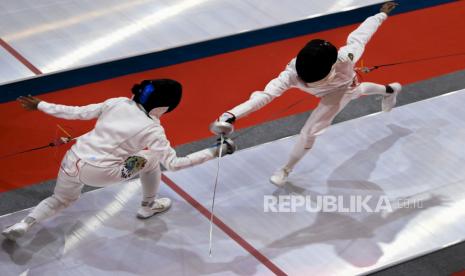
column 121, row 130
column 342, row 76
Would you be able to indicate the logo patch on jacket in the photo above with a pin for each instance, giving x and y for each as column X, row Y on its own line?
column 132, row 165
column 351, row 56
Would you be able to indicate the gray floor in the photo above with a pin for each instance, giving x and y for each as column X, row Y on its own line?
column 443, row 262
column 406, row 154
column 23, row 198
column 100, row 235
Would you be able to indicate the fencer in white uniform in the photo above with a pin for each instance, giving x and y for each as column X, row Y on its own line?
column 127, row 140
column 327, row 73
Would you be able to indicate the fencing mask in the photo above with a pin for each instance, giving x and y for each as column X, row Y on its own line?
column 158, row 93
column 315, row 60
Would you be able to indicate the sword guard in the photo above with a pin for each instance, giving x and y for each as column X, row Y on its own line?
column 221, row 128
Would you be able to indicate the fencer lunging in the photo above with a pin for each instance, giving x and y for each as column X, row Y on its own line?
column 127, row 140
column 323, row 71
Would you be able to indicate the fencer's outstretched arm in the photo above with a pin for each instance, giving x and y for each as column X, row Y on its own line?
column 87, row 112
column 63, row 111
column 259, row 99
column 357, row 39
column 169, row 159
column 173, row 163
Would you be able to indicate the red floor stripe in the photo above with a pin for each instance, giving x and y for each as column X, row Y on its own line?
column 19, row 57
column 230, row 232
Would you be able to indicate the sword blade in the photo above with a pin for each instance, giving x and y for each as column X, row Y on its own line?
column 214, row 195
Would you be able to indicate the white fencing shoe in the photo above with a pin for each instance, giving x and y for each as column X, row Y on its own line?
column 279, row 178
column 157, row 206
column 389, row 101
column 16, row 231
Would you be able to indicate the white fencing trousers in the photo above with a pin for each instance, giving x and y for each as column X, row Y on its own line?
column 150, row 181
column 74, row 174
column 322, row 116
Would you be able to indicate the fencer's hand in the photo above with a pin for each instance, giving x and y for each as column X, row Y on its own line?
column 227, row 117
column 388, row 7
column 28, row 102
column 229, row 147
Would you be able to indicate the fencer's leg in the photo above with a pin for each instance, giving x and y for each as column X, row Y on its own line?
column 279, row 177
column 304, row 144
column 48, row 208
column 370, row 88
column 389, row 93
column 318, row 121
column 150, row 180
column 66, row 192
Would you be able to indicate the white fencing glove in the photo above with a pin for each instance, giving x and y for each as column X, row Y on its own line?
column 224, row 124
column 227, row 117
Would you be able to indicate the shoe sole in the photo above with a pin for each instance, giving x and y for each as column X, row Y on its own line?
column 142, row 217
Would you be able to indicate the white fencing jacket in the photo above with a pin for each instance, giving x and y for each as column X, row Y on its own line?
column 123, row 128
column 342, row 74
